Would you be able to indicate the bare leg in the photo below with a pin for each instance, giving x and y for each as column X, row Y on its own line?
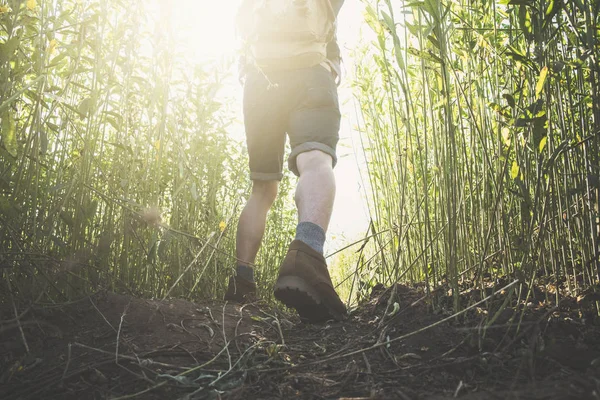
column 304, row 282
column 251, row 226
column 315, row 192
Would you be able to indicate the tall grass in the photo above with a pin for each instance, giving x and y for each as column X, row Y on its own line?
column 117, row 167
column 481, row 124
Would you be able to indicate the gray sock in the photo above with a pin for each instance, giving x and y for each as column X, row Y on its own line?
column 311, row 234
column 245, row 272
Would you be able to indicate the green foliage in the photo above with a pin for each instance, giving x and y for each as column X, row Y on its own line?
column 117, row 166
column 481, row 124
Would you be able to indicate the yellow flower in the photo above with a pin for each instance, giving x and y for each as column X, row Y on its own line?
column 31, row 4
column 4, row 9
column 222, row 226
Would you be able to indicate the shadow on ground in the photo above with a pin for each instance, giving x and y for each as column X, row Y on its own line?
column 112, row 346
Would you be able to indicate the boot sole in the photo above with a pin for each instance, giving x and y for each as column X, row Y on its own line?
column 296, row 293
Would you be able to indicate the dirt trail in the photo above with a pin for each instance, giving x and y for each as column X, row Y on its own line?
column 176, row 349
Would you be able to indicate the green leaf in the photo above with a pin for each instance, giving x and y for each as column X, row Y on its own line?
column 509, row 99
column 8, row 48
column 519, row 56
column 525, row 21
column 113, row 122
column 430, row 6
column 550, row 7
column 56, row 60
column 414, row 4
column 515, row 2
column 553, row 8
column 120, row 146
column 413, row 29
column 8, row 134
column 514, row 170
column 389, row 22
column 495, row 106
column 52, row 126
column 371, row 19
column 541, row 80
column 543, row 143
column 499, row 109
column 434, row 41
column 428, row 56
column 85, row 107
column 579, row 5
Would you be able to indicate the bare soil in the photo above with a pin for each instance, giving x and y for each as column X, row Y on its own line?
column 111, row 346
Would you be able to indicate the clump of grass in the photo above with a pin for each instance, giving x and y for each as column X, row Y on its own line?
column 117, row 169
column 480, row 124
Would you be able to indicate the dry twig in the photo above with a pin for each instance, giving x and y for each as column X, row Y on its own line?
column 119, row 332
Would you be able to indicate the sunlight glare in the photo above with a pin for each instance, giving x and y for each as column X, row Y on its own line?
column 205, row 29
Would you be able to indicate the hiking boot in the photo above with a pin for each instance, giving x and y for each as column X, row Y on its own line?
column 304, row 284
column 240, row 290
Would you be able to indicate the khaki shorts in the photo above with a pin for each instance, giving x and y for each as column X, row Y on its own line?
column 301, row 103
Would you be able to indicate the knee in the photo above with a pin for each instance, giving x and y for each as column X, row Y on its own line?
column 313, row 160
column 265, row 191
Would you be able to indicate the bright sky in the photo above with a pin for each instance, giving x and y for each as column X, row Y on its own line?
column 205, row 31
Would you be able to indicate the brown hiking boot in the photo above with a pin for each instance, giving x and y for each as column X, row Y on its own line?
column 240, row 290
column 304, row 284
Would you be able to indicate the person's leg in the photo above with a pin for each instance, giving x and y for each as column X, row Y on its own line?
column 266, row 105
column 250, row 231
column 251, row 226
column 304, row 282
column 315, row 194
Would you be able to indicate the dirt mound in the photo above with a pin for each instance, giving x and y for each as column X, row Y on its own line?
column 394, row 346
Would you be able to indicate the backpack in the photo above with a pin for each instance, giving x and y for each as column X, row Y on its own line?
column 285, row 34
